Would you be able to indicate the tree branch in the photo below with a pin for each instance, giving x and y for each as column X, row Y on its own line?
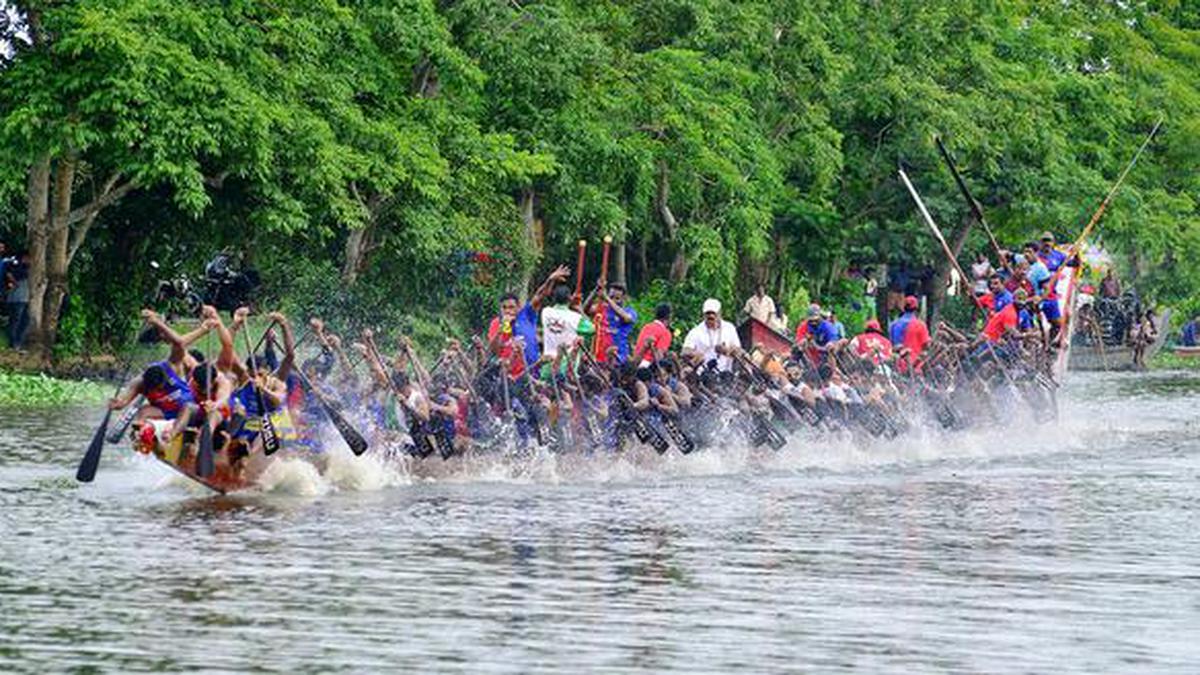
column 110, row 193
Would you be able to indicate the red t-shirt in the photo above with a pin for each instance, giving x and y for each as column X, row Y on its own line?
column 1000, row 322
column 878, row 347
column 506, row 347
column 653, row 334
column 603, row 339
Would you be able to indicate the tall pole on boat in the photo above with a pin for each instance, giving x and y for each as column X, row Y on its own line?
column 976, row 208
column 1068, row 300
column 937, row 232
column 1087, row 231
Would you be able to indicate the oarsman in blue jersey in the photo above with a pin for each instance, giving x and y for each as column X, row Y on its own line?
column 1037, row 273
column 518, row 324
column 997, row 297
column 1049, row 255
column 910, row 335
column 618, row 320
column 1026, row 311
column 817, row 334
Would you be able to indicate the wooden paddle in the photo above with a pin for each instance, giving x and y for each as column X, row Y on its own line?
column 204, row 455
column 125, row 420
column 358, row 444
column 270, row 440
column 86, row 472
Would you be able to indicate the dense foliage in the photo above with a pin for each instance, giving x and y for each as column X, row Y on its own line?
column 408, row 157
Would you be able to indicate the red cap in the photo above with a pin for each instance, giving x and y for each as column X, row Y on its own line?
column 871, row 324
column 911, row 302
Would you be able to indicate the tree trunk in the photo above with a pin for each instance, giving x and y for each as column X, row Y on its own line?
column 619, row 263
column 679, row 265
column 942, row 271
column 37, row 225
column 644, row 257
column 357, row 246
column 525, row 206
column 56, row 253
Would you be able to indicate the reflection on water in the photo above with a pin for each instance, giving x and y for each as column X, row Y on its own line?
column 1024, row 549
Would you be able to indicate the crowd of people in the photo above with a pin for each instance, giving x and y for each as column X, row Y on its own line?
column 574, row 373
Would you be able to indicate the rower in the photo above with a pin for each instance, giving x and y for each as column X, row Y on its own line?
column 1050, row 256
column 617, row 321
column 872, row 343
column 912, row 335
column 168, row 397
column 655, row 337
column 818, row 333
column 713, row 341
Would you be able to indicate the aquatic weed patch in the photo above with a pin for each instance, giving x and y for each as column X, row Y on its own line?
column 38, row 390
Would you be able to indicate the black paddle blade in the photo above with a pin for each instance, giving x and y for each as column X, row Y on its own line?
column 270, row 439
column 358, row 444
column 91, row 458
column 123, row 422
column 204, row 458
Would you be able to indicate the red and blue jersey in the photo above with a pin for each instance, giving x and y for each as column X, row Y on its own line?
column 173, row 395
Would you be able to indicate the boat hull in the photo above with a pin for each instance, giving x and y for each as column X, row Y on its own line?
column 227, row 476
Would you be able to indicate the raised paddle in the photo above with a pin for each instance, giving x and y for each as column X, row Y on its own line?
column 270, row 440
column 976, row 208
column 599, row 342
column 204, row 455
column 358, row 444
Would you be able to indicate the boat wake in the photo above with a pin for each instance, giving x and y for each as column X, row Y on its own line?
column 1078, row 430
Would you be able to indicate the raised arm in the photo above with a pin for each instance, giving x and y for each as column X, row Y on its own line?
column 289, row 346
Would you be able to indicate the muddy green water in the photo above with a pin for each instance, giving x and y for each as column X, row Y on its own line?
column 1014, row 549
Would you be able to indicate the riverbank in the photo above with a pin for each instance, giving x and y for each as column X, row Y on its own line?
column 22, row 390
column 1168, row 360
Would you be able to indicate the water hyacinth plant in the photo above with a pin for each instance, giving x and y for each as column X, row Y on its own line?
column 40, row 390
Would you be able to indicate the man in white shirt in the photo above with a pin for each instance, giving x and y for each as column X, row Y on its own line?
column 561, row 325
column 713, row 339
column 760, row 306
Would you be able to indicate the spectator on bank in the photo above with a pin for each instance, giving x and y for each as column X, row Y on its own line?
column 1188, row 337
column 17, row 300
column 1109, row 286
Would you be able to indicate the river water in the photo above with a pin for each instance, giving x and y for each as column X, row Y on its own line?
column 1020, row 549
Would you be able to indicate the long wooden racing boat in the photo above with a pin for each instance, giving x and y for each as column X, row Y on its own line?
column 179, row 453
column 754, row 333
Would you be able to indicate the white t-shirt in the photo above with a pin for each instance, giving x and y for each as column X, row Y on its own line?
column 704, row 340
column 760, row 308
column 560, row 328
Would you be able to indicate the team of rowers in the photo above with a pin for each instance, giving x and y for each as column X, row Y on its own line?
column 569, row 373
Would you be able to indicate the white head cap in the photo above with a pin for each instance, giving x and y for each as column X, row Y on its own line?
column 712, row 305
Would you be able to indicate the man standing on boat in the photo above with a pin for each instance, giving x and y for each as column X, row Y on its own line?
column 1049, row 255
column 759, row 306
column 910, row 334
column 618, row 321
column 561, row 325
column 714, row 340
column 519, row 324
